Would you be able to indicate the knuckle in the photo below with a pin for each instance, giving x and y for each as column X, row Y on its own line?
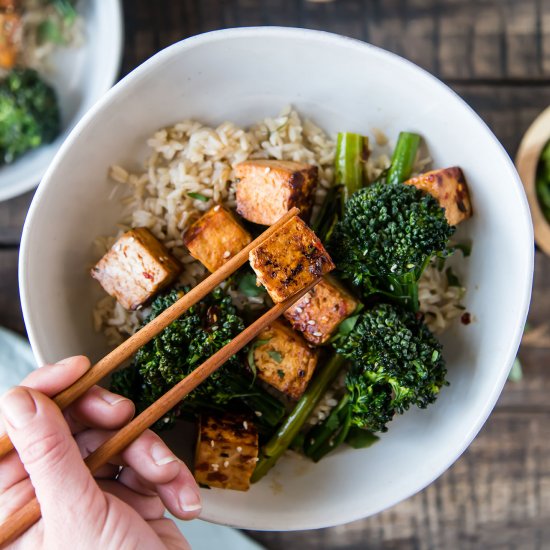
column 45, row 451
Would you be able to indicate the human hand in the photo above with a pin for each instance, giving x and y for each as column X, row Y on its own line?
column 123, row 504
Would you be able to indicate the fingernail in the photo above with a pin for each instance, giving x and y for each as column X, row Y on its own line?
column 112, row 398
column 67, row 361
column 18, row 407
column 189, row 500
column 162, row 455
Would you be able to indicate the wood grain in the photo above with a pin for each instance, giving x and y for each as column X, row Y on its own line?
column 496, row 55
column 497, row 496
column 11, row 316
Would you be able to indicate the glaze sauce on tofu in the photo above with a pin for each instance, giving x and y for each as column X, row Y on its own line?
column 284, row 359
column 226, row 452
column 289, row 260
column 135, row 268
column 215, row 238
column 267, row 189
column 318, row 314
column 448, row 186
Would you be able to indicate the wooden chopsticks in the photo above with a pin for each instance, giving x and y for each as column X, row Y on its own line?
column 130, row 346
column 29, row 514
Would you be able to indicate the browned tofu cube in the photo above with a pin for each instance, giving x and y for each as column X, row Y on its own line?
column 448, row 186
column 136, row 268
column 10, row 38
column 321, row 310
column 215, row 237
column 267, row 189
column 227, row 451
column 292, row 258
column 284, row 359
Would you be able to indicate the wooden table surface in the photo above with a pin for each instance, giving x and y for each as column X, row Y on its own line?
column 496, row 55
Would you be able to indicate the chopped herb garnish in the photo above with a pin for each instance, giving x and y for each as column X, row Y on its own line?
column 281, row 373
column 198, row 196
column 464, row 247
column 275, row 355
column 247, row 285
column 452, row 279
column 250, row 355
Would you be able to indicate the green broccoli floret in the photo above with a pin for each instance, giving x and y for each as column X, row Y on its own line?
column 29, row 114
column 180, row 348
column 395, row 363
column 386, row 239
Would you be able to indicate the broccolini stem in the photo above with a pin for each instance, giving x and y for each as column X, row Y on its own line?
column 328, row 214
column 403, row 158
column 269, row 411
column 352, row 151
column 284, row 436
column 326, row 436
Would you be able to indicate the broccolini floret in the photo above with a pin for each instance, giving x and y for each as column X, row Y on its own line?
column 395, row 363
column 180, row 348
column 29, row 114
column 386, row 239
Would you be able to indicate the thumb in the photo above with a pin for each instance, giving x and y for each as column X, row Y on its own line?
column 49, row 454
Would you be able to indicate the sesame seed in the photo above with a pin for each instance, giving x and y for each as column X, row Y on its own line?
column 311, row 322
column 215, row 467
column 298, row 309
column 258, row 413
column 267, row 170
column 245, row 425
column 226, row 464
column 239, row 449
column 216, row 208
column 318, row 334
column 226, row 254
column 212, row 443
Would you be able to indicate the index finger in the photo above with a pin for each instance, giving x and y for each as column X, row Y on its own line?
column 52, row 379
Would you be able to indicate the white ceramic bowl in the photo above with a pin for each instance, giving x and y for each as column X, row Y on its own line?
column 80, row 76
column 243, row 75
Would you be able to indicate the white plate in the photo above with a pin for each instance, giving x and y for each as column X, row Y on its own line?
column 244, row 75
column 80, row 77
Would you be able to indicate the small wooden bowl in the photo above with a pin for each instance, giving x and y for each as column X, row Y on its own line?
column 527, row 160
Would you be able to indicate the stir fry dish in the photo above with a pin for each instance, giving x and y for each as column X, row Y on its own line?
column 356, row 351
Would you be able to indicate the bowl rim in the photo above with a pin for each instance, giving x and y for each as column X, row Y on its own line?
column 524, row 294
column 106, row 77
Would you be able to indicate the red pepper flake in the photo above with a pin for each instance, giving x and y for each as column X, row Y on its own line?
column 148, row 275
column 466, row 318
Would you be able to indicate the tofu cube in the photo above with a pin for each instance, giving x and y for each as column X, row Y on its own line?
column 292, row 258
column 227, row 451
column 137, row 267
column 267, row 189
column 284, row 359
column 9, row 5
column 318, row 314
column 448, row 186
column 215, row 238
column 10, row 35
